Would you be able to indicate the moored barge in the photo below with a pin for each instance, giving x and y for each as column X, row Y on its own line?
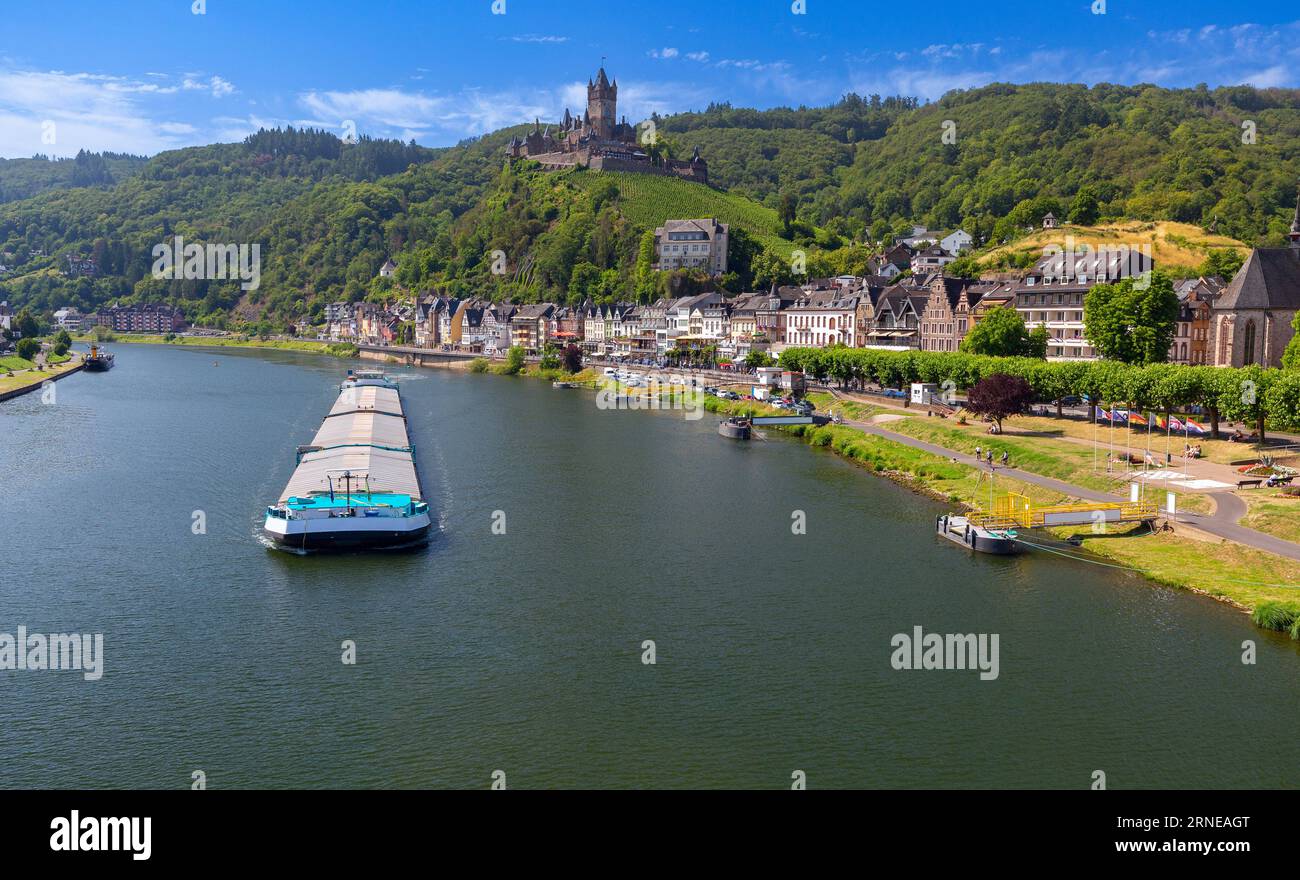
column 355, row 486
column 961, row 530
column 98, row 361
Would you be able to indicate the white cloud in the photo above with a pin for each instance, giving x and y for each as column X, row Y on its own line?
column 538, row 38
column 218, row 87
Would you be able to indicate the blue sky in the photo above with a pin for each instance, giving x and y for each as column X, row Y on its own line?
column 149, row 75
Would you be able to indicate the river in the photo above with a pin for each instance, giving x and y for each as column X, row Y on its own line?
column 523, row 652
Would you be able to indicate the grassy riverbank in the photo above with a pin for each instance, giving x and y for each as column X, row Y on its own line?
column 1242, row 576
column 24, row 377
column 337, row 349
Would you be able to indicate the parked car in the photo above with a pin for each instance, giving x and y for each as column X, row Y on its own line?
column 1071, row 400
column 804, row 408
column 894, row 393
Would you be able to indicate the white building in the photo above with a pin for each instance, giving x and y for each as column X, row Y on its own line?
column 691, row 244
column 956, row 242
column 69, row 318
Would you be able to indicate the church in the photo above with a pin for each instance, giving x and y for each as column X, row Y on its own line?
column 1254, row 314
column 599, row 140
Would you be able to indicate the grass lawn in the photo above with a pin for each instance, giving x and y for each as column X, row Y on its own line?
column 14, row 362
column 35, row 377
column 1220, row 568
column 1044, row 456
column 1221, row 451
column 1274, row 513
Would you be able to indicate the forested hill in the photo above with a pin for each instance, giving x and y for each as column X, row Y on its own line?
column 24, row 178
column 1192, row 155
column 328, row 214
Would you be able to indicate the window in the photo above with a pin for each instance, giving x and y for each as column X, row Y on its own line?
column 1248, row 346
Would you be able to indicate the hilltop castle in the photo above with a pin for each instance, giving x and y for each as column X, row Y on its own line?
column 600, row 141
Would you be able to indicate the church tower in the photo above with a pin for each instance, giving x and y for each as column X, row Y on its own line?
column 602, row 104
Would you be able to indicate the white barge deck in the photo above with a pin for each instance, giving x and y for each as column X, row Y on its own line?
column 355, row 485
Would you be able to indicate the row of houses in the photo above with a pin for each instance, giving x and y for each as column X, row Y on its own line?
column 1247, row 320
column 140, row 318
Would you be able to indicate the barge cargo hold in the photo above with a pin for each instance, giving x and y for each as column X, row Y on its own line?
column 355, row 486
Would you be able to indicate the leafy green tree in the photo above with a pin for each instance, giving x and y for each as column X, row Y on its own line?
column 1223, row 262
column 1002, row 333
column 1085, row 208
column 1282, row 400
column 27, row 348
column 1291, row 357
column 756, row 359
column 1132, row 320
column 516, row 357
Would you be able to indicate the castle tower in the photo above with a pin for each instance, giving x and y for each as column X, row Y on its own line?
column 602, row 105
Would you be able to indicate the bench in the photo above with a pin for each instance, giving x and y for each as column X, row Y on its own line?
column 1283, row 481
column 1246, row 484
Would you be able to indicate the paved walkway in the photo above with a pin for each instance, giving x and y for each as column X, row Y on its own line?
column 1228, row 508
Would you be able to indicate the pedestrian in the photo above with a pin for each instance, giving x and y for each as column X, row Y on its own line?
column 990, row 454
column 1004, row 458
column 978, row 454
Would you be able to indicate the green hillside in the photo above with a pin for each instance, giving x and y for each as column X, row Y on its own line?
column 328, row 214
column 648, row 200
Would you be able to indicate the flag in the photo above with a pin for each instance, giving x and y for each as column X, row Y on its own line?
column 1175, row 424
column 1193, row 428
column 1119, row 416
column 1102, row 415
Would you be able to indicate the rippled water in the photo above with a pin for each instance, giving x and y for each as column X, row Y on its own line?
column 522, row 652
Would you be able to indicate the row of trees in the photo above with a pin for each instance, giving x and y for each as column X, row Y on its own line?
column 1249, row 394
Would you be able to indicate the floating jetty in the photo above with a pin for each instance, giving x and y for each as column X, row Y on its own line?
column 742, row 428
column 355, row 485
column 995, row 530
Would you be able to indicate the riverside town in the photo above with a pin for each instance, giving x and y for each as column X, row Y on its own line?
column 540, row 396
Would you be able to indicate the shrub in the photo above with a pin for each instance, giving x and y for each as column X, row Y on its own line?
column 1276, row 615
column 479, row 365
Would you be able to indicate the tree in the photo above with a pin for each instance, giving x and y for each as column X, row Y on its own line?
column 26, row 323
column 572, row 358
column 515, row 359
column 1085, row 208
column 1002, row 333
column 28, row 348
column 1132, row 320
column 756, row 359
column 999, row 396
column 789, row 210
column 1223, row 262
column 1291, row 356
column 1283, row 400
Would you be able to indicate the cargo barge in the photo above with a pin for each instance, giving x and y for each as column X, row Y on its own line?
column 355, row 486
